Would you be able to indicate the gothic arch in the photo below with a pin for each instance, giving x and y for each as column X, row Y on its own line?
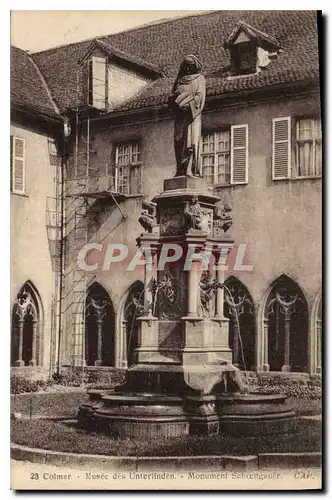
column 99, row 335
column 239, row 308
column 129, row 311
column 316, row 335
column 285, row 327
column 27, row 327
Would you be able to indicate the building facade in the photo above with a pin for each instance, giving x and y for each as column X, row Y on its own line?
column 105, row 112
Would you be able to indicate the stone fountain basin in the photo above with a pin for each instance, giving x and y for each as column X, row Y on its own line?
column 139, row 416
column 146, row 415
column 251, row 403
column 247, row 414
column 143, row 406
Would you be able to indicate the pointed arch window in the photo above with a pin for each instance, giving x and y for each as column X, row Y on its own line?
column 239, row 308
column 99, row 327
column 132, row 309
column 26, row 328
column 286, row 319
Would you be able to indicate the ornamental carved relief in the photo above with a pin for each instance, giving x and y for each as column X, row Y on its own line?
column 172, row 221
column 24, row 306
column 208, row 289
column 191, row 216
column 222, row 219
column 170, row 295
column 148, row 218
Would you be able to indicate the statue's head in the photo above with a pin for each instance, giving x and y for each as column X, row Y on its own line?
column 190, row 65
column 194, row 200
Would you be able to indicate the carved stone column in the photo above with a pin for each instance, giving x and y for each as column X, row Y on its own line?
column 219, row 312
column 99, row 360
column 194, row 276
column 147, row 344
column 24, row 306
column 220, row 324
column 318, row 346
column 150, row 275
column 286, row 366
column 86, row 346
column 235, row 340
column 33, row 361
column 124, row 344
column 19, row 361
column 99, row 308
column 266, row 366
column 222, row 248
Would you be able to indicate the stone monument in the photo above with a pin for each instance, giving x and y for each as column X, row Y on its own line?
column 182, row 380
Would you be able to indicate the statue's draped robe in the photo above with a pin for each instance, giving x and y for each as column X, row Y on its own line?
column 188, row 124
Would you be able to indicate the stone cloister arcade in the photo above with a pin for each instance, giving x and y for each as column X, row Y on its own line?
column 280, row 334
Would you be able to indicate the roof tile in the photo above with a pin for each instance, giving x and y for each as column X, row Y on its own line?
column 27, row 89
column 165, row 44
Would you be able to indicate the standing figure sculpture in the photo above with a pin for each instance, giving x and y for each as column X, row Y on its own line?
column 186, row 103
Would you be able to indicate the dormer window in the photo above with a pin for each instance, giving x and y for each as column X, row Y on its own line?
column 108, row 77
column 244, row 58
column 251, row 50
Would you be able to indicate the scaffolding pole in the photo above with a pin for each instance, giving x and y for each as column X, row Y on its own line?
column 75, row 229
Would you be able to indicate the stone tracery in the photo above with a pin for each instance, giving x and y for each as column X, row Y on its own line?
column 286, row 327
column 99, row 334
column 25, row 328
column 239, row 308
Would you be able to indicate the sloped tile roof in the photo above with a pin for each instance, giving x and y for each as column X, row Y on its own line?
column 113, row 51
column 165, row 44
column 27, row 89
column 253, row 33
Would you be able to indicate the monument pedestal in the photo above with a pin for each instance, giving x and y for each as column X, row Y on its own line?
column 182, row 361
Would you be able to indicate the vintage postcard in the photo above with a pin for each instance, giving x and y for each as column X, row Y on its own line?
column 166, row 287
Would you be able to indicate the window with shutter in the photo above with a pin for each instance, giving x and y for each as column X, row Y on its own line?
column 17, row 165
column 281, row 149
column 239, row 154
column 308, row 147
column 215, row 157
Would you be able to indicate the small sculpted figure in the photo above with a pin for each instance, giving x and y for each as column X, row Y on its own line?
column 223, row 216
column 193, row 214
column 208, row 289
column 148, row 218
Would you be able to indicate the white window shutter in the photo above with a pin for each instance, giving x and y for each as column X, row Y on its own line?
column 99, row 78
column 18, row 165
column 281, row 148
column 239, row 154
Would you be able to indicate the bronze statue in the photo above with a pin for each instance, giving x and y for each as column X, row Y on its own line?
column 186, row 103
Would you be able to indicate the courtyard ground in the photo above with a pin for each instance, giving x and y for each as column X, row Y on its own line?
column 67, row 436
column 66, row 403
